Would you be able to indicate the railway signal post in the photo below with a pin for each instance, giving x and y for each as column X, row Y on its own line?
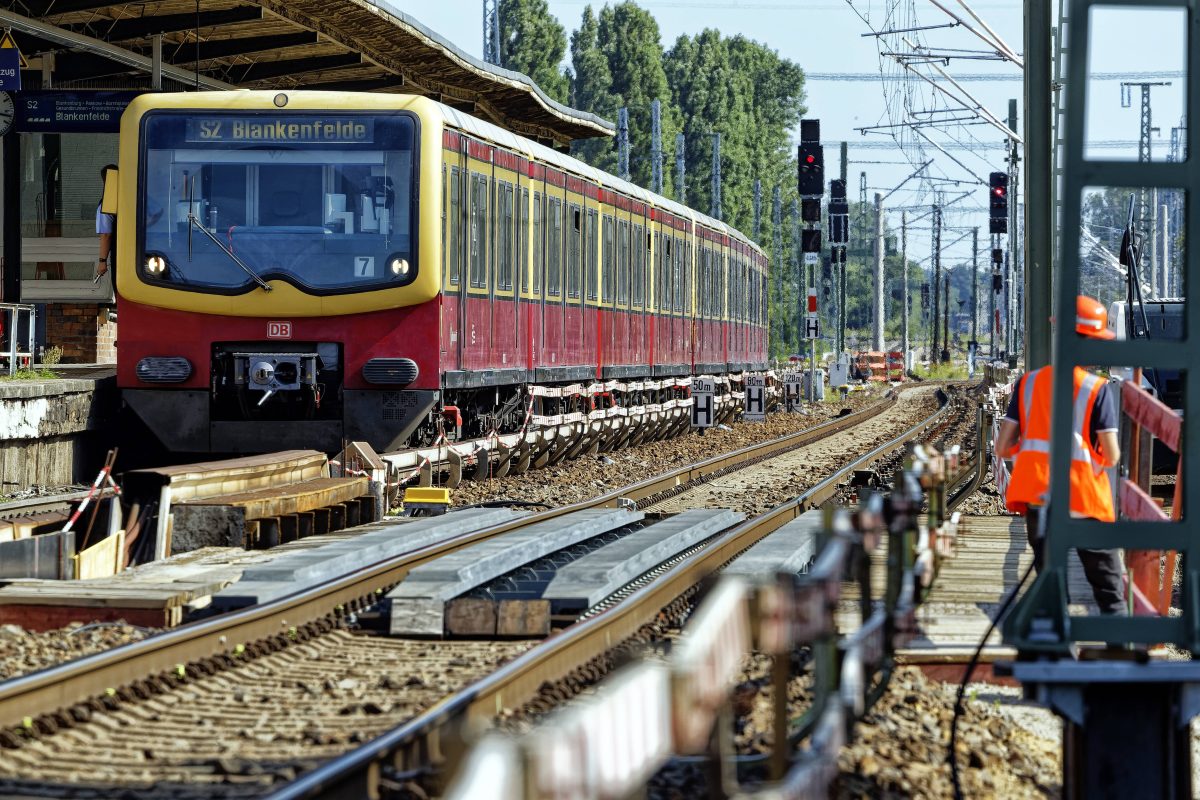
column 811, row 185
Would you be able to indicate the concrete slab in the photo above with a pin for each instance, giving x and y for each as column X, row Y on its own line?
column 583, row 583
column 159, row 594
column 296, row 570
column 789, row 549
column 418, row 604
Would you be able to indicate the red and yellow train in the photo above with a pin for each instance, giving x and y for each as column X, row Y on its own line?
column 299, row 269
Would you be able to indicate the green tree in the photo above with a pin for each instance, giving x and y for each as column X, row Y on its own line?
column 591, row 88
column 534, row 43
column 629, row 38
column 702, row 88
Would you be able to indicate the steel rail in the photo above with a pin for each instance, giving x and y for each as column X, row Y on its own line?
column 972, row 475
column 435, row 734
column 26, row 698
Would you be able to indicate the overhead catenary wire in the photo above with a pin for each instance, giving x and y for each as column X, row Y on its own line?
column 996, row 43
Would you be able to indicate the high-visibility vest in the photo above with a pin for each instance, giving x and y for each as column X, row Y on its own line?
column 1091, row 493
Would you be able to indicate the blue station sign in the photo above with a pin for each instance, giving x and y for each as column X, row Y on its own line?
column 53, row 111
column 11, row 64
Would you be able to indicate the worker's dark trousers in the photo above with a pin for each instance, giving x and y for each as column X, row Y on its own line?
column 1102, row 567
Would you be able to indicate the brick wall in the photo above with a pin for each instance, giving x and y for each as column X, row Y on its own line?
column 83, row 331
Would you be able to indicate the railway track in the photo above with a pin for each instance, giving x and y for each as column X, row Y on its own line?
column 656, row 610
column 240, row 663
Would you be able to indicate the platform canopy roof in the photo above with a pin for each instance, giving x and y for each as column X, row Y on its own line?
column 337, row 45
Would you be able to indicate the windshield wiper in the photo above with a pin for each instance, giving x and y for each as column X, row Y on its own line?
column 194, row 220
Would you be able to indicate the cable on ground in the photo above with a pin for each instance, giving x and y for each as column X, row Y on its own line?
column 962, row 687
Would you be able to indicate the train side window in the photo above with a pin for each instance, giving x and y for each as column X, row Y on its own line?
column 554, row 247
column 648, row 269
column 680, row 269
column 689, row 270
column 742, row 290
column 493, row 234
column 720, row 292
column 539, row 243
column 623, row 263
column 762, row 305
column 504, row 236
column 454, row 226
column 479, row 219
column 610, row 261
column 639, row 265
column 589, row 245
column 657, row 269
column 523, row 239
column 574, row 247
column 714, row 283
column 730, row 285
column 709, row 290
column 666, row 296
column 753, row 297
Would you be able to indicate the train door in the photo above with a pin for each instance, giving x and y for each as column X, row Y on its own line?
column 591, row 278
column 537, row 268
column 504, row 332
column 640, row 294
column 574, row 231
column 704, row 298
column 608, row 287
column 464, row 245
column 552, row 310
column 690, row 244
column 478, row 317
column 619, row 324
column 679, row 336
column 653, row 292
column 725, row 264
column 522, row 290
column 527, row 306
column 454, row 230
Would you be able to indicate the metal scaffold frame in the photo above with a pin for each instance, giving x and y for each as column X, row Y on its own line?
column 1126, row 717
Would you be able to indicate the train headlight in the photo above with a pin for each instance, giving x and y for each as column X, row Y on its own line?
column 156, row 265
column 400, row 267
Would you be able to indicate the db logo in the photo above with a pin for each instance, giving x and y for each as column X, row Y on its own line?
column 279, row 330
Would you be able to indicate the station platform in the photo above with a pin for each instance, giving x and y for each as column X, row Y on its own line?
column 990, row 556
column 54, row 431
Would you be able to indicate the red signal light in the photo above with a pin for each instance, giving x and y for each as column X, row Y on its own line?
column 998, row 191
column 810, row 159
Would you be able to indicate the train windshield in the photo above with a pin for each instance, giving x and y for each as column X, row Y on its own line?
column 326, row 202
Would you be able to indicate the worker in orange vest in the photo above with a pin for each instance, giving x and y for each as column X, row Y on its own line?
column 1025, row 432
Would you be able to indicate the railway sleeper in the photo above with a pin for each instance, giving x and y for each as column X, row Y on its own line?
column 504, row 460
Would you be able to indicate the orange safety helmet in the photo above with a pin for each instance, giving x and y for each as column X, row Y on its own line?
column 1091, row 318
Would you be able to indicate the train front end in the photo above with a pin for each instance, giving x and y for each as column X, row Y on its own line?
column 275, row 289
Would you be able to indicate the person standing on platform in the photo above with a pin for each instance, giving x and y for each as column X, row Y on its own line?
column 106, row 230
column 1025, row 432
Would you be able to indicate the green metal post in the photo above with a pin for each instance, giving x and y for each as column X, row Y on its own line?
column 1039, row 180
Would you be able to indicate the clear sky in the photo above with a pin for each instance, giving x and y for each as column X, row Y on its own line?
column 825, row 37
